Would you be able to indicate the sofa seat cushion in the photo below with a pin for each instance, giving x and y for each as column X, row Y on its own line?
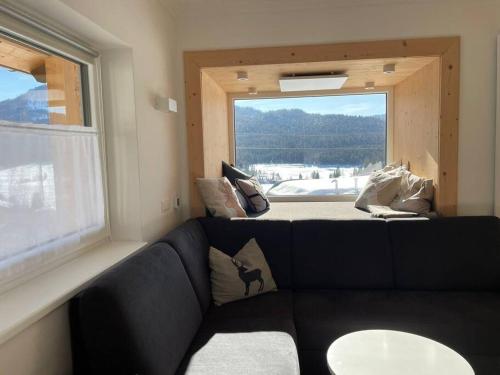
column 484, row 364
column 461, row 320
column 313, row 362
column 246, row 353
column 278, row 304
column 267, row 313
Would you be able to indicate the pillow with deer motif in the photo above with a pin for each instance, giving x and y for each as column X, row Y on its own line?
column 245, row 275
column 219, row 197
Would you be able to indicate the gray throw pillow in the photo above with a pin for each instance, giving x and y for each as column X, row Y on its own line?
column 242, row 276
column 253, row 193
column 232, row 173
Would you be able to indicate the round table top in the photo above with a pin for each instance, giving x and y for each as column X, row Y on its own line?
column 381, row 352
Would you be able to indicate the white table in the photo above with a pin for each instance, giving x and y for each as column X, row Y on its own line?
column 380, row 352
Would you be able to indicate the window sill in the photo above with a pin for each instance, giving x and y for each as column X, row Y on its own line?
column 312, row 198
column 25, row 304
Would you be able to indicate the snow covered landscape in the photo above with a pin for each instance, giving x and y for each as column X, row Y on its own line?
column 294, row 152
column 299, row 179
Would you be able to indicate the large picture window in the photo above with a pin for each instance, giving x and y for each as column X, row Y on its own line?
column 51, row 182
column 311, row 146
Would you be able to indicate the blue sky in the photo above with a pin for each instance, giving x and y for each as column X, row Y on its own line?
column 13, row 84
column 356, row 105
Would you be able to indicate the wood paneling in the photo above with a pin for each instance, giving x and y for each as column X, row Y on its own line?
column 446, row 48
column 385, row 49
column 194, row 123
column 61, row 76
column 447, row 196
column 265, row 77
column 18, row 57
column 416, row 122
column 215, row 132
column 64, row 91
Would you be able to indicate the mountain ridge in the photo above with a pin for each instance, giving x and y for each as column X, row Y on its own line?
column 29, row 107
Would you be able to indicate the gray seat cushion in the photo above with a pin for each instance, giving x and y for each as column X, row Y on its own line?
column 461, row 320
column 271, row 312
column 262, row 353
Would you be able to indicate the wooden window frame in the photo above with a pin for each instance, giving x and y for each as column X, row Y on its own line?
column 447, row 49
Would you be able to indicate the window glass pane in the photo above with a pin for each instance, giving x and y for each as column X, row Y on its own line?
column 37, row 87
column 51, row 183
column 51, row 195
column 322, row 145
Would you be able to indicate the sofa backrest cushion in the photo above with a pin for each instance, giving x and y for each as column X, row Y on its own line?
column 138, row 318
column 273, row 237
column 457, row 253
column 341, row 254
column 191, row 243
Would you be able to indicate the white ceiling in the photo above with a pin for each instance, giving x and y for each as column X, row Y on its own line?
column 284, row 5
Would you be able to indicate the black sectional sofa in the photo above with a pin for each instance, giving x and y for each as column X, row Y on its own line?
column 153, row 314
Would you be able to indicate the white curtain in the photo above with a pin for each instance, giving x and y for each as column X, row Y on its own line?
column 51, row 196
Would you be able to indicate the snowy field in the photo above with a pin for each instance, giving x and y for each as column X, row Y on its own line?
column 298, row 179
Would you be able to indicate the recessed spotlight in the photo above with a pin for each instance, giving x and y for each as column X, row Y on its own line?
column 389, row 68
column 369, row 85
column 252, row 91
column 242, row 76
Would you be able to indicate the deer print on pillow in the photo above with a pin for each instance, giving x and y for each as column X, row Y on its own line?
column 248, row 276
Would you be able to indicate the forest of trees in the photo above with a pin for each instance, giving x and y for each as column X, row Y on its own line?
column 296, row 137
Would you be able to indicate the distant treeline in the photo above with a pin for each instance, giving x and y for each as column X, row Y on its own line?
column 294, row 136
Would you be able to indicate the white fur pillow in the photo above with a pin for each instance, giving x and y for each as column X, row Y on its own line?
column 381, row 188
column 416, row 194
column 219, row 197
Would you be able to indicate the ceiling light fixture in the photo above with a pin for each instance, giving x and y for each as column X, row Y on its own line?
column 369, row 85
column 242, row 76
column 252, row 91
column 389, row 68
column 313, row 82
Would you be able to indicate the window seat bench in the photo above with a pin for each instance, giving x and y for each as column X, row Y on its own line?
column 313, row 211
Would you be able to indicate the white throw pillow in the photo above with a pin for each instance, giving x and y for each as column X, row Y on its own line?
column 219, row 197
column 381, row 189
column 416, row 194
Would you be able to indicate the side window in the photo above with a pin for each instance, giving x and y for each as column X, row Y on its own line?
column 37, row 87
column 51, row 181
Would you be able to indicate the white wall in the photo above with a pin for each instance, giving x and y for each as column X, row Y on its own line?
column 42, row 349
column 149, row 30
column 137, row 39
column 239, row 23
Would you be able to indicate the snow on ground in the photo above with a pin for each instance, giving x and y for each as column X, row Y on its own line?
column 322, row 186
column 296, row 179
